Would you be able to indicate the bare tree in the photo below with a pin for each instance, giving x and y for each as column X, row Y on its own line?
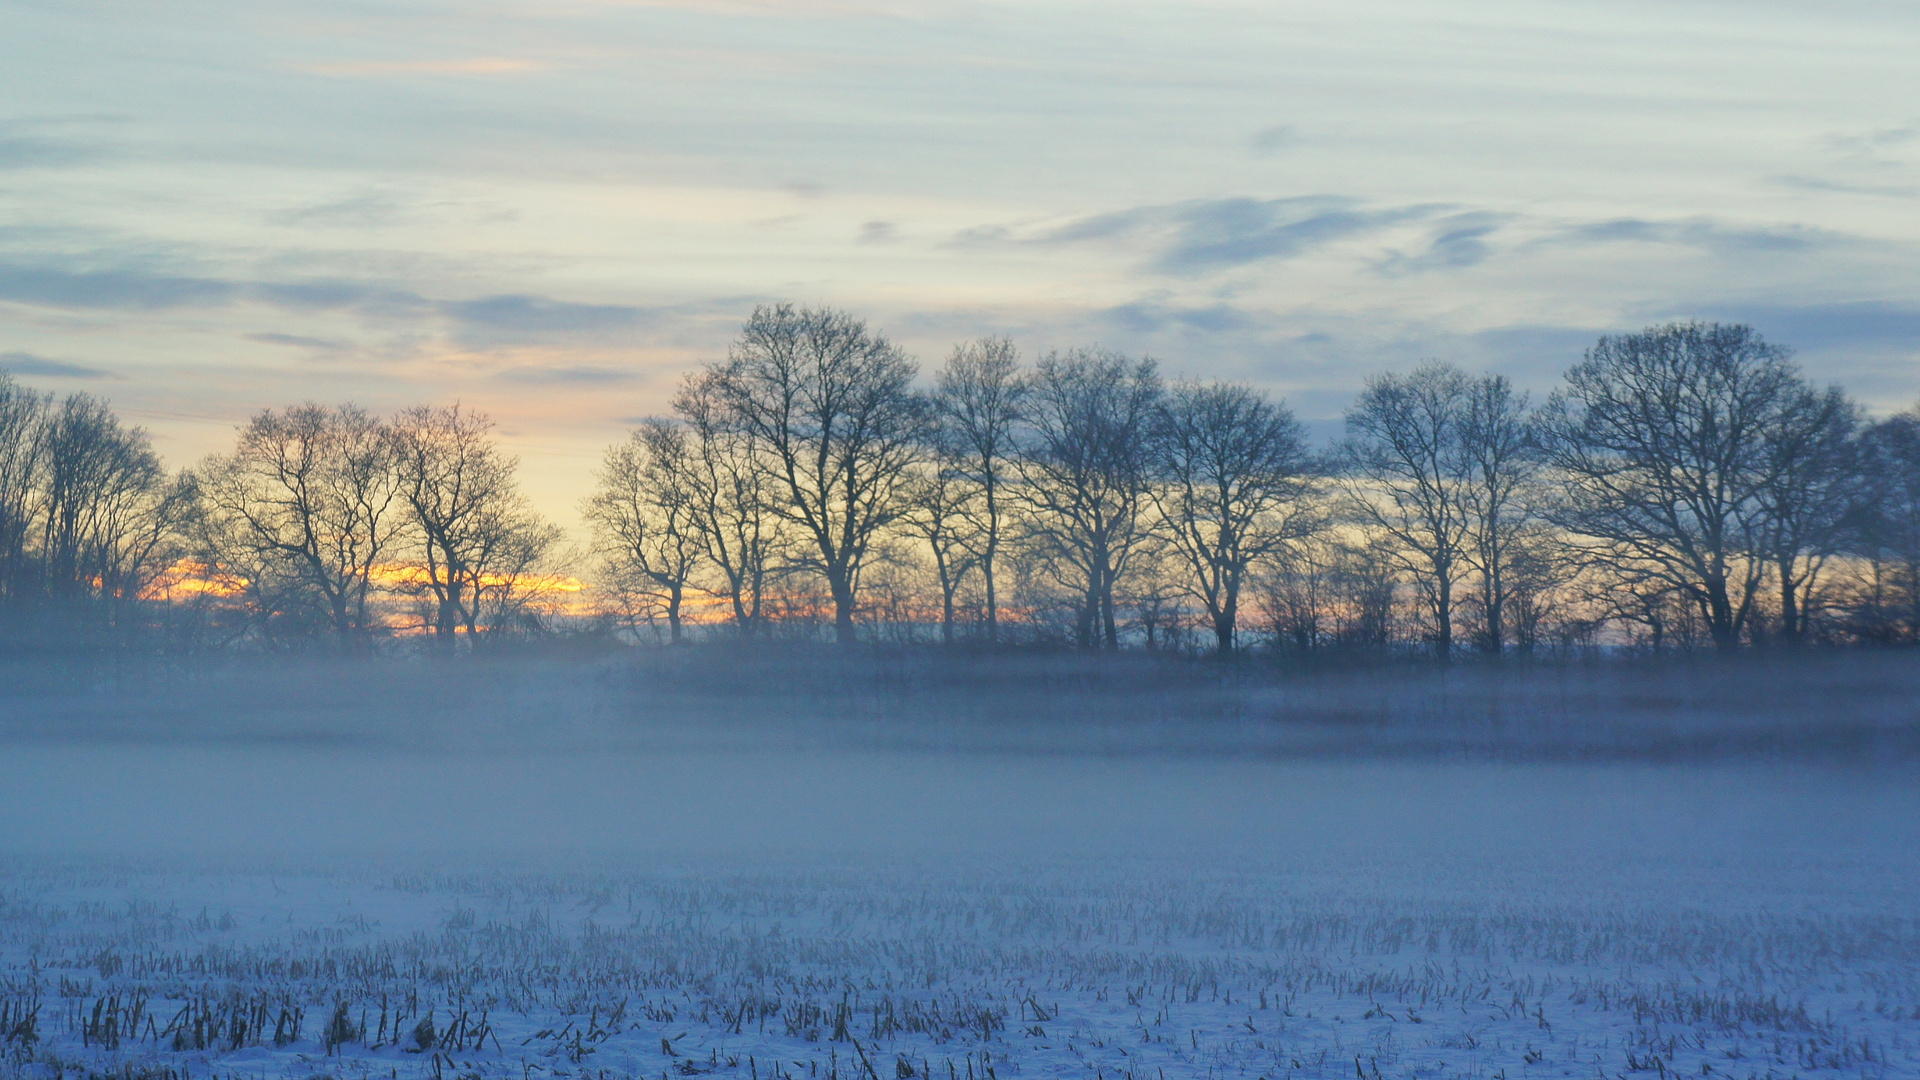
column 107, row 508
column 1812, row 491
column 730, row 501
column 1364, row 580
column 309, row 498
column 1296, row 596
column 478, row 539
column 1085, row 475
column 1659, row 446
column 645, row 515
column 1233, row 468
column 1536, row 569
column 23, row 422
column 940, row 504
column 830, row 408
column 1887, row 529
column 1502, row 465
column 981, row 398
column 1406, row 473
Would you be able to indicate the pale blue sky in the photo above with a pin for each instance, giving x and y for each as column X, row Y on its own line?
column 550, row 210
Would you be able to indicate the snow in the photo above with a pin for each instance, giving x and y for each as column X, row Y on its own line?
column 818, row 910
column 1060, row 967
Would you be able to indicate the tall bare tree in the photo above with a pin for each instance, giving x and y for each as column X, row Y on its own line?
column 1085, row 474
column 1233, row 468
column 107, row 508
column 830, row 408
column 731, row 501
column 645, row 516
column 309, row 499
column 1659, row 445
column 1813, row 489
column 981, row 398
column 23, row 421
column 1502, row 467
column 1886, row 529
column 940, row 504
column 1406, row 473
column 478, row 539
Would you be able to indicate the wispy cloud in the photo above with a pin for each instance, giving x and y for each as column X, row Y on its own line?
column 299, row 341
column 567, row 375
column 1824, row 326
column 365, row 210
column 1156, row 317
column 1279, row 137
column 1207, row 235
column 1821, row 184
column 358, row 297
column 25, row 363
column 1867, row 143
column 477, row 65
column 519, row 318
column 121, row 289
column 31, row 152
column 508, row 318
column 1458, row 241
column 1706, row 234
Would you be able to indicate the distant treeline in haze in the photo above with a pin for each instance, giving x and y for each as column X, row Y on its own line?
column 1685, row 487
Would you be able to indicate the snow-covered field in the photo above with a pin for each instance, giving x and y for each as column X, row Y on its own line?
column 838, row 968
column 1523, row 948
column 239, row 905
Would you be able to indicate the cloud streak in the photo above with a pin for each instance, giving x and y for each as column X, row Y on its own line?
column 1200, row 237
column 1706, row 234
column 499, row 319
column 122, row 290
column 25, row 363
column 478, row 65
column 1458, row 242
column 567, row 375
column 31, row 152
column 519, row 318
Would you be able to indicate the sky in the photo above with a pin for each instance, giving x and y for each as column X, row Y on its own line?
column 552, row 210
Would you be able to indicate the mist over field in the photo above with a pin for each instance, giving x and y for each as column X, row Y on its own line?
column 819, row 863
column 823, row 754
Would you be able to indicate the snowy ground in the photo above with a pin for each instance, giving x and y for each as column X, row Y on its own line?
column 356, row 881
column 1472, row 921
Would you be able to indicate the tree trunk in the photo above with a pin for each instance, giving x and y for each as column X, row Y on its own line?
column 993, row 600
column 342, row 616
column 842, row 590
column 986, row 564
column 1720, row 614
column 1443, row 618
column 1792, row 620
column 1496, row 603
column 447, row 623
column 1223, row 634
column 1086, row 624
column 737, row 584
column 1109, row 625
column 673, row 615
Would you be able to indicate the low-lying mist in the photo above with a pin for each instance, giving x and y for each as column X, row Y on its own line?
column 1837, row 707
column 811, row 753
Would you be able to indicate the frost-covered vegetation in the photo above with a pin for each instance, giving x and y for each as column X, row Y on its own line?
column 1060, row 967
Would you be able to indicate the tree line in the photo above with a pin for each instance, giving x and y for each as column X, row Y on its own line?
column 1684, row 487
